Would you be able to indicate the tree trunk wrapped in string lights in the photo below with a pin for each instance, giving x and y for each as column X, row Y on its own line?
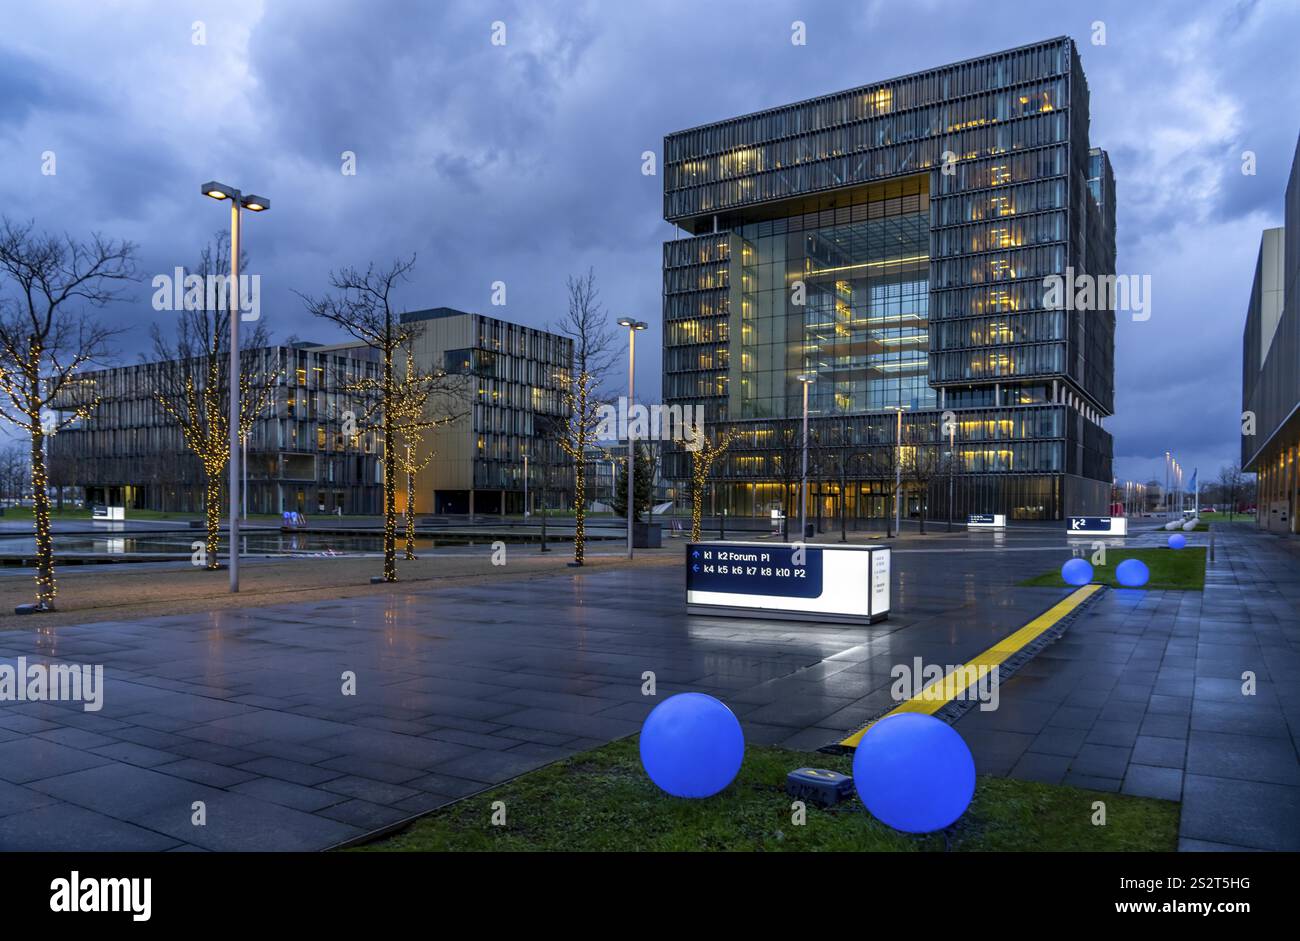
column 193, row 385
column 579, row 396
column 585, row 324
column 411, row 404
column 398, row 400
column 47, row 336
column 701, row 466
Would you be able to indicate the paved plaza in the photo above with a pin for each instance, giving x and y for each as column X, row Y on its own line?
column 458, row 688
column 1144, row 695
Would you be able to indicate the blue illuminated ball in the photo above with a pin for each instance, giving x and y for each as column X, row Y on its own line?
column 692, row 745
column 1177, row 541
column 1132, row 573
column 914, row 773
column 1077, row 572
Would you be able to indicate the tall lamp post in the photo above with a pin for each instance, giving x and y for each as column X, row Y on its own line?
column 952, row 466
column 632, row 327
column 252, row 203
column 805, row 379
column 898, row 471
column 1165, row 495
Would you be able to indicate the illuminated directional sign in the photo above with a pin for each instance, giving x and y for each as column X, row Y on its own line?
column 1096, row 525
column 788, row 580
column 986, row 521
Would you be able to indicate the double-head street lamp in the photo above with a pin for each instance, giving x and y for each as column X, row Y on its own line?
column 632, row 327
column 253, row 204
column 805, row 379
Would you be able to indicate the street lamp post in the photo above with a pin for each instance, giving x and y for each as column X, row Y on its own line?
column 805, row 379
column 632, row 327
column 898, row 471
column 525, row 486
column 1165, row 495
column 252, row 203
column 952, row 461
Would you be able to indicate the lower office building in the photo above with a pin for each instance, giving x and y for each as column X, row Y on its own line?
column 1270, row 371
column 129, row 452
column 514, row 380
column 308, row 453
column 890, row 245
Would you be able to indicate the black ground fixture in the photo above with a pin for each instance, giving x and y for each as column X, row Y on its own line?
column 819, row 785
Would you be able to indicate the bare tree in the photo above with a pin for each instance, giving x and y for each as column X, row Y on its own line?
column 920, row 464
column 192, row 378
column 47, row 334
column 1231, row 480
column 585, row 323
column 547, row 433
column 363, row 307
column 787, row 454
column 838, row 459
column 14, row 473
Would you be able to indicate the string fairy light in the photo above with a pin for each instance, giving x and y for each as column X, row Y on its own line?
column 701, row 464
column 578, row 432
column 204, row 422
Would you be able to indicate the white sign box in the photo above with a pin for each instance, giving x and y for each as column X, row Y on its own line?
column 1096, row 525
column 788, row 580
column 986, row 521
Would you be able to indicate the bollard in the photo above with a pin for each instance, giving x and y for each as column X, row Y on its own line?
column 1211, row 545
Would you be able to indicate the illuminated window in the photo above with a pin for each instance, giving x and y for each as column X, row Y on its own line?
column 881, row 100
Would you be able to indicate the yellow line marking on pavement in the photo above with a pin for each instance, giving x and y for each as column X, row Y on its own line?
column 943, row 691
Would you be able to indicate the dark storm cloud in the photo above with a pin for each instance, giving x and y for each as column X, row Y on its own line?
column 522, row 163
column 28, row 87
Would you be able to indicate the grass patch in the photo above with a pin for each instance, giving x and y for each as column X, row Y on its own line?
column 602, row 801
column 1175, row 569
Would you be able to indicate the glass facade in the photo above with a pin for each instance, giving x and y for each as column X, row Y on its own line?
column 894, row 240
column 517, row 372
column 846, row 297
column 299, row 457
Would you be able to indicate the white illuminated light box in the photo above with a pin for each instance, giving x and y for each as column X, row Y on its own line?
column 1096, row 525
column 842, row 584
column 986, row 521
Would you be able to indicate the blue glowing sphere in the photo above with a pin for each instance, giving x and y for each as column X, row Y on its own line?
column 914, row 773
column 1132, row 573
column 1177, row 541
column 692, row 745
column 1077, row 572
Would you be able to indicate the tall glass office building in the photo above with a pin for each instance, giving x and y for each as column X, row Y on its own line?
column 892, row 241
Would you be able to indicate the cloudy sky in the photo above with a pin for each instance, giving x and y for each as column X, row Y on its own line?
column 522, row 163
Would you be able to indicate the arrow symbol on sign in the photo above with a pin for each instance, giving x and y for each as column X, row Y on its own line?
column 695, row 554
column 695, row 568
